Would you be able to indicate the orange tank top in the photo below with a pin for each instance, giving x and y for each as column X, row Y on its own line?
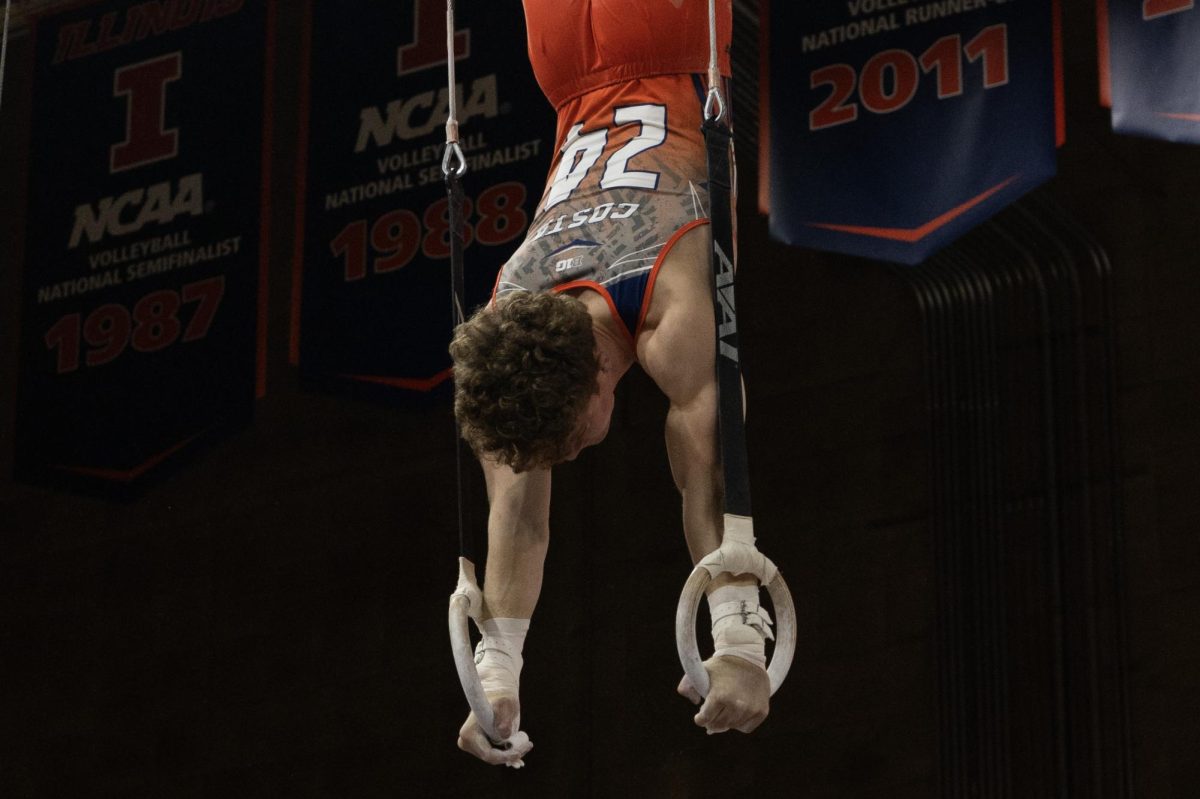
column 577, row 46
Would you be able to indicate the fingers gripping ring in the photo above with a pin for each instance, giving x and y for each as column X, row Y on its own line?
column 737, row 555
column 466, row 602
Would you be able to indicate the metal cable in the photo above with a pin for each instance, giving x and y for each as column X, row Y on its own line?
column 4, row 47
column 715, row 100
column 467, row 538
column 453, row 150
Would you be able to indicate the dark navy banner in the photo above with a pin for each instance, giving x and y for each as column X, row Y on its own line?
column 1154, row 58
column 375, row 299
column 140, row 324
column 897, row 125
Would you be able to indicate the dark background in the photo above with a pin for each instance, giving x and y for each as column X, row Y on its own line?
column 268, row 617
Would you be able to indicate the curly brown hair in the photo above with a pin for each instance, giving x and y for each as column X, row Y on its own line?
column 524, row 369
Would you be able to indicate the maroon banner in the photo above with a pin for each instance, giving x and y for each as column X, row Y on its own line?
column 142, row 328
column 372, row 301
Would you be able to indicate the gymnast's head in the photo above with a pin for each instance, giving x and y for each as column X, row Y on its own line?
column 525, row 375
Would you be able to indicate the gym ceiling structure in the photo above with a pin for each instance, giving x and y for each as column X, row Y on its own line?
column 979, row 476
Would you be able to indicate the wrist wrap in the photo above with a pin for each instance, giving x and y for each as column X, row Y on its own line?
column 740, row 627
column 498, row 655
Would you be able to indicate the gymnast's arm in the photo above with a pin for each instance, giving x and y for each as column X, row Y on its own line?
column 518, row 538
column 678, row 350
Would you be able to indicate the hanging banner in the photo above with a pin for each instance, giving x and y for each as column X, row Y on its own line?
column 897, row 125
column 373, row 276
column 140, row 327
column 1150, row 50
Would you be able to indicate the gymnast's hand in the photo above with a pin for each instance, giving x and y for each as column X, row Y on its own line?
column 739, row 695
column 471, row 738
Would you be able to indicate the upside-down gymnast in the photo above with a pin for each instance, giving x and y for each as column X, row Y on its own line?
column 615, row 268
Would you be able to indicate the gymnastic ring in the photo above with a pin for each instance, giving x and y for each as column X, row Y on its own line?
column 465, row 603
column 685, row 629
